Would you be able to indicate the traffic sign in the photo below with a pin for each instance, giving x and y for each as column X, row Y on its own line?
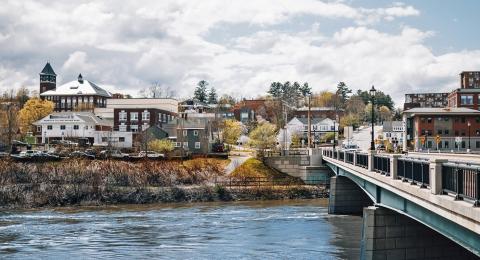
column 438, row 139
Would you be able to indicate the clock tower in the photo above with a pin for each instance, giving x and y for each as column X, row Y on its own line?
column 48, row 79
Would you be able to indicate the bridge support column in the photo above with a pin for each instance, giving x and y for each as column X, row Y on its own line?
column 354, row 158
column 436, row 175
column 389, row 235
column 346, row 197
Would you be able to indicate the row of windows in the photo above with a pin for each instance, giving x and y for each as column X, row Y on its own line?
column 447, row 132
column 321, row 128
column 446, row 145
column 185, row 145
column 62, row 127
column 113, row 139
column 122, row 116
column 458, row 119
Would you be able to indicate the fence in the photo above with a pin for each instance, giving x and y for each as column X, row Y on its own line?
column 381, row 164
column 349, row 157
column 461, row 180
column 341, row 156
column 414, row 170
column 265, row 181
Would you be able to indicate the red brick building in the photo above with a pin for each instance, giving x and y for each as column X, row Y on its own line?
column 468, row 94
column 450, row 124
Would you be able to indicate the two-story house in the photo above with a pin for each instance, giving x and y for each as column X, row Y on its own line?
column 299, row 126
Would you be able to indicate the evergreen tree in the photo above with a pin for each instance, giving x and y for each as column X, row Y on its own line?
column 200, row 93
column 305, row 89
column 212, row 96
column 343, row 91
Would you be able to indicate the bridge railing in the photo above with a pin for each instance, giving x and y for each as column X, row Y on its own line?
column 362, row 160
column 414, row 170
column 462, row 180
column 459, row 179
column 381, row 164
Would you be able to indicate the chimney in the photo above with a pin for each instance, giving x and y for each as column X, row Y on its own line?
column 80, row 78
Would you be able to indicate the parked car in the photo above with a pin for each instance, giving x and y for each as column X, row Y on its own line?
column 29, row 153
column 115, row 154
column 352, row 147
column 82, row 155
column 151, row 155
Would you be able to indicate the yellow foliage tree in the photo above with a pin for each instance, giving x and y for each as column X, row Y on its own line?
column 161, row 146
column 33, row 110
column 263, row 137
column 232, row 130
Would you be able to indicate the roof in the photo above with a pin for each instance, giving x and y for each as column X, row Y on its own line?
column 389, row 125
column 442, row 110
column 76, row 87
column 319, row 109
column 87, row 117
column 48, row 70
column 314, row 121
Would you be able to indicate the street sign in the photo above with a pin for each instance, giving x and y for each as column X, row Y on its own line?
column 437, row 139
column 422, row 139
column 458, row 139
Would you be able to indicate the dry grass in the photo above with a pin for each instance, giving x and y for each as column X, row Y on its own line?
column 113, row 173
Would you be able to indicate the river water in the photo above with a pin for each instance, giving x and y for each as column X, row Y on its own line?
column 240, row 230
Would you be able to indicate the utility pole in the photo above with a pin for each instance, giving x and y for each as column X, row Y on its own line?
column 309, row 124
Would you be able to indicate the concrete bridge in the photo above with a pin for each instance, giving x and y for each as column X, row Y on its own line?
column 413, row 208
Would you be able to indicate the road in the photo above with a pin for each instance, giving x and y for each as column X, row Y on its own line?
column 236, row 160
column 363, row 137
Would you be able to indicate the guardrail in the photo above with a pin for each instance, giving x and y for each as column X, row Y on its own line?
column 414, row 170
column 459, row 179
column 462, row 180
column 381, row 164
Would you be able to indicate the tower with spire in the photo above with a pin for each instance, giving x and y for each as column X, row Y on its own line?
column 48, row 79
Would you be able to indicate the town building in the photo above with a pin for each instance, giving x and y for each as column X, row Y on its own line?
column 457, row 128
column 192, row 135
column 470, row 79
column 299, row 127
column 425, row 100
column 83, row 128
column 318, row 112
column 77, row 95
column 247, row 111
column 393, row 132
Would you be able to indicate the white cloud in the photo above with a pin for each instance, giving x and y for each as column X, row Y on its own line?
column 130, row 45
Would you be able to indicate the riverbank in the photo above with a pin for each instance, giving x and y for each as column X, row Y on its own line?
column 51, row 195
column 74, row 182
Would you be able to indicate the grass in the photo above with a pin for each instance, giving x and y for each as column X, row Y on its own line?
column 255, row 168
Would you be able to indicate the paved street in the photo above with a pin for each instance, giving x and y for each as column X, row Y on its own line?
column 362, row 137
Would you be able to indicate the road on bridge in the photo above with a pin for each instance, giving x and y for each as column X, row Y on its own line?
column 363, row 137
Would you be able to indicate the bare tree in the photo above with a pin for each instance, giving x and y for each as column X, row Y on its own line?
column 157, row 90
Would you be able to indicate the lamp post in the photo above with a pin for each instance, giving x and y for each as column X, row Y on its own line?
column 373, row 91
column 469, row 124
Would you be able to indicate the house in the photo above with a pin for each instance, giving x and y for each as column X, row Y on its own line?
column 393, row 131
column 80, row 127
column 190, row 134
column 247, row 111
column 318, row 112
column 299, row 126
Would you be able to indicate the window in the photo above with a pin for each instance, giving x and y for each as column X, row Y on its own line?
column 62, row 127
column 178, row 144
column 184, row 132
column 104, row 139
column 122, row 115
column 197, row 145
column 121, row 139
column 195, row 132
column 49, row 127
column 429, row 120
column 466, row 99
column 463, row 119
column 39, row 129
column 446, row 131
column 439, row 131
column 134, row 128
column 145, row 115
column 244, row 116
column 122, row 128
column 133, row 116
column 463, row 133
column 185, row 145
column 477, row 144
column 75, row 127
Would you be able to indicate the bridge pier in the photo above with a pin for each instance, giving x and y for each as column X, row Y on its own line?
column 387, row 234
column 346, row 197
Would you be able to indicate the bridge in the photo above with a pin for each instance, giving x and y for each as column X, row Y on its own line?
column 413, row 207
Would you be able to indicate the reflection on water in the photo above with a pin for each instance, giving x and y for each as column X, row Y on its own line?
column 272, row 230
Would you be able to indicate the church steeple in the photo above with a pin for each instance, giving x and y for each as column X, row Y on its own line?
column 80, row 78
column 48, row 78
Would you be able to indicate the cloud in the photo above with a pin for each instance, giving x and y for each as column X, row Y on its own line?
column 128, row 46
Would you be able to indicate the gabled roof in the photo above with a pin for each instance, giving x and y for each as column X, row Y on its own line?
column 48, row 70
column 78, row 88
column 87, row 117
column 314, row 121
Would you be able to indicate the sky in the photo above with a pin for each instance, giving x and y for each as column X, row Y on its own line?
column 240, row 47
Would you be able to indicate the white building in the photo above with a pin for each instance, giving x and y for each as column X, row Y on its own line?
column 79, row 127
column 166, row 104
column 299, row 126
column 393, row 131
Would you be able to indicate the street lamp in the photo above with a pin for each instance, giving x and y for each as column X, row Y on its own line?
column 373, row 91
column 469, row 124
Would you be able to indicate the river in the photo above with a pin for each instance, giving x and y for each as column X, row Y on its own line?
column 239, row 230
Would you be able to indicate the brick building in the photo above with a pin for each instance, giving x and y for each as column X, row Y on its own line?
column 468, row 94
column 450, row 124
column 139, row 119
column 425, row 100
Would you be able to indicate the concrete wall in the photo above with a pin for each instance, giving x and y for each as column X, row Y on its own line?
column 389, row 235
column 346, row 197
column 307, row 168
